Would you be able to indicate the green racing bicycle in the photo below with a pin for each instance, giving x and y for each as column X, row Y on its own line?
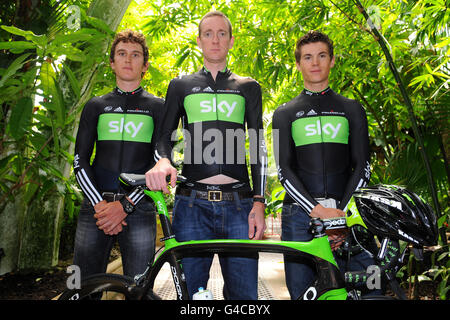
column 391, row 213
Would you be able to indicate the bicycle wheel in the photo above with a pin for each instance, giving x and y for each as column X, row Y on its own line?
column 103, row 287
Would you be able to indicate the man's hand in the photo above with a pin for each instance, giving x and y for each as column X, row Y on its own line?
column 99, row 207
column 111, row 218
column 321, row 212
column 336, row 237
column 155, row 178
column 256, row 221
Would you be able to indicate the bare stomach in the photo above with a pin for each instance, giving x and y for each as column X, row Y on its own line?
column 218, row 179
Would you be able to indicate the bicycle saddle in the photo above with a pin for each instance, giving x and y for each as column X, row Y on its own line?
column 134, row 180
column 131, row 179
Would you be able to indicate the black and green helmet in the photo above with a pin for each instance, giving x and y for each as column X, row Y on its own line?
column 395, row 212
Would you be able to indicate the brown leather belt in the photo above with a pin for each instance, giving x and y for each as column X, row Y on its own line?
column 214, row 195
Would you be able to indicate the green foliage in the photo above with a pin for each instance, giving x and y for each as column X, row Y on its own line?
column 440, row 272
column 35, row 112
column 266, row 31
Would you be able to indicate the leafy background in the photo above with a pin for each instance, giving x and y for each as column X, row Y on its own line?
column 54, row 57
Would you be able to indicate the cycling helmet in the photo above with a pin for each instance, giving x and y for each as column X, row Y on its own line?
column 394, row 212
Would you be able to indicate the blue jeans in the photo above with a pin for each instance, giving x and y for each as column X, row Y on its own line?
column 136, row 241
column 197, row 219
column 294, row 227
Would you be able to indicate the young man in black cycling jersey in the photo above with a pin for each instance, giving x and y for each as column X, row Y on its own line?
column 324, row 158
column 217, row 201
column 122, row 125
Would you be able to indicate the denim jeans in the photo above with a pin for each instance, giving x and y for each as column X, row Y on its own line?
column 294, row 227
column 197, row 219
column 136, row 241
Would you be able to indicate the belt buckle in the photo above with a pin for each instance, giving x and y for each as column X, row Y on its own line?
column 212, row 195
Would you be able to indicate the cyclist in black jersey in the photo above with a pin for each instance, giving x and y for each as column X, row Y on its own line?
column 324, row 155
column 122, row 126
column 217, row 201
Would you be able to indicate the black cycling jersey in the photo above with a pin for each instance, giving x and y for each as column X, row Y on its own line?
column 214, row 115
column 122, row 126
column 323, row 148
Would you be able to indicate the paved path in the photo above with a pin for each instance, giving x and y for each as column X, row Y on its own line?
column 271, row 282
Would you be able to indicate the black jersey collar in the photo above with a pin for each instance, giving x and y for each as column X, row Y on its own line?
column 316, row 93
column 225, row 71
column 120, row 92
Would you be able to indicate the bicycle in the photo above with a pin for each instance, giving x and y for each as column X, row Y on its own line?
column 330, row 284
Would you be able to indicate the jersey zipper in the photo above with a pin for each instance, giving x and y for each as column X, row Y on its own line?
column 214, row 83
column 324, row 175
column 125, row 109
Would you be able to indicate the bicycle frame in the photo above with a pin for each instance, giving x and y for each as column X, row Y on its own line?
column 329, row 285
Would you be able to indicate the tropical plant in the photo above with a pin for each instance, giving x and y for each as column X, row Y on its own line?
column 42, row 91
column 37, row 138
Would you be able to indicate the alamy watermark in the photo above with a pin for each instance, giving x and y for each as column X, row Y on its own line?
column 374, row 19
column 74, row 279
column 374, row 280
column 74, row 18
column 213, row 146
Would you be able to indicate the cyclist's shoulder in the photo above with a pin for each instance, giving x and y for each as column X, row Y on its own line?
column 98, row 101
column 293, row 105
column 183, row 82
column 185, row 78
column 350, row 106
column 343, row 99
column 152, row 98
column 285, row 111
column 244, row 81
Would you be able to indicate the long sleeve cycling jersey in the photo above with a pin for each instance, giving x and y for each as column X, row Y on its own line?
column 214, row 117
column 325, row 148
column 122, row 126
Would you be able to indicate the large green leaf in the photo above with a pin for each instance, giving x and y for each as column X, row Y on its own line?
column 20, row 119
column 72, row 80
column 84, row 34
column 39, row 40
column 13, row 67
column 17, row 46
column 97, row 23
column 56, row 103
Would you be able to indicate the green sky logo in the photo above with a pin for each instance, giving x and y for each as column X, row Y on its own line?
column 127, row 127
column 210, row 107
column 320, row 129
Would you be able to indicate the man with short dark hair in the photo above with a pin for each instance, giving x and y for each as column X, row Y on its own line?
column 324, row 158
column 122, row 126
column 217, row 201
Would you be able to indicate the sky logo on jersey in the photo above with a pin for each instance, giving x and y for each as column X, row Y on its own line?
column 127, row 127
column 312, row 130
column 213, row 106
column 210, row 107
